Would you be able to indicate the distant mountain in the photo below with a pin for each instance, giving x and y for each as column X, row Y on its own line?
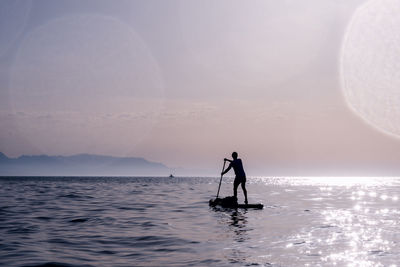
column 3, row 157
column 82, row 164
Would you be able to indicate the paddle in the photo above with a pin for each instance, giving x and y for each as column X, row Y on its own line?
column 223, row 168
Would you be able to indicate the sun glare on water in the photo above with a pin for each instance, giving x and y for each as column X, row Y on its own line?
column 329, row 181
column 348, row 181
column 354, row 220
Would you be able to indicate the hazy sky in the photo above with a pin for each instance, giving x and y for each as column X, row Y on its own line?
column 296, row 87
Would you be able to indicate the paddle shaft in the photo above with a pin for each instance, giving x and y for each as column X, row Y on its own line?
column 223, row 168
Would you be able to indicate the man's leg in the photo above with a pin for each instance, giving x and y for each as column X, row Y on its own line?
column 244, row 192
column 235, row 186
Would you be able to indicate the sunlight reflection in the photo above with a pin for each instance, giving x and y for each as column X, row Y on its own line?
column 351, row 234
column 365, row 242
column 327, row 183
column 353, row 220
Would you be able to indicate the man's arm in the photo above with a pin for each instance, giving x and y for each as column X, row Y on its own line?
column 225, row 159
column 227, row 169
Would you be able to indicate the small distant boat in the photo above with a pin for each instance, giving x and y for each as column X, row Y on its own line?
column 171, row 176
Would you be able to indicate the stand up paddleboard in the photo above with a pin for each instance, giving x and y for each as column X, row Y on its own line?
column 231, row 203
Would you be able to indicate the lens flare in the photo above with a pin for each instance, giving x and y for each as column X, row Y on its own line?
column 370, row 61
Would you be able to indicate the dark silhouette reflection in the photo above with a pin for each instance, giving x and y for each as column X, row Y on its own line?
column 235, row 229
column 239, row 225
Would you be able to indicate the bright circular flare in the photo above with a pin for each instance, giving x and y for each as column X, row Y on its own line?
column 13, row 17
column 370, row 63
column 85, row 83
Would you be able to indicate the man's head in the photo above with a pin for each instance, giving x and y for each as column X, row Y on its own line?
column 234, row 155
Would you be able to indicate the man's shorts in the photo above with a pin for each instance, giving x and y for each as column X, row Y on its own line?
column 239, row 180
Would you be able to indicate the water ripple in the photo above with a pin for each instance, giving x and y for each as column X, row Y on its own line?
column 159, row 221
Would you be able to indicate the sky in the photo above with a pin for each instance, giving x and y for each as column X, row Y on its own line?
column 295, row 87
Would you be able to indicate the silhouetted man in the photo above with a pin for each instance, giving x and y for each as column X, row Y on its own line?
column 240, row 178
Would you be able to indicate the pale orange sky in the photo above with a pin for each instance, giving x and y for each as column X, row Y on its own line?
column 188, row 82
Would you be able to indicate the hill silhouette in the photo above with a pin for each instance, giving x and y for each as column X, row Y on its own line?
column 81, row 164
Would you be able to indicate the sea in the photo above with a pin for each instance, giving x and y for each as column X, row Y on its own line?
column 161, row 221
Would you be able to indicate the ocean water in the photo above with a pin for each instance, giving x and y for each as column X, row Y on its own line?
column 134, row 221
